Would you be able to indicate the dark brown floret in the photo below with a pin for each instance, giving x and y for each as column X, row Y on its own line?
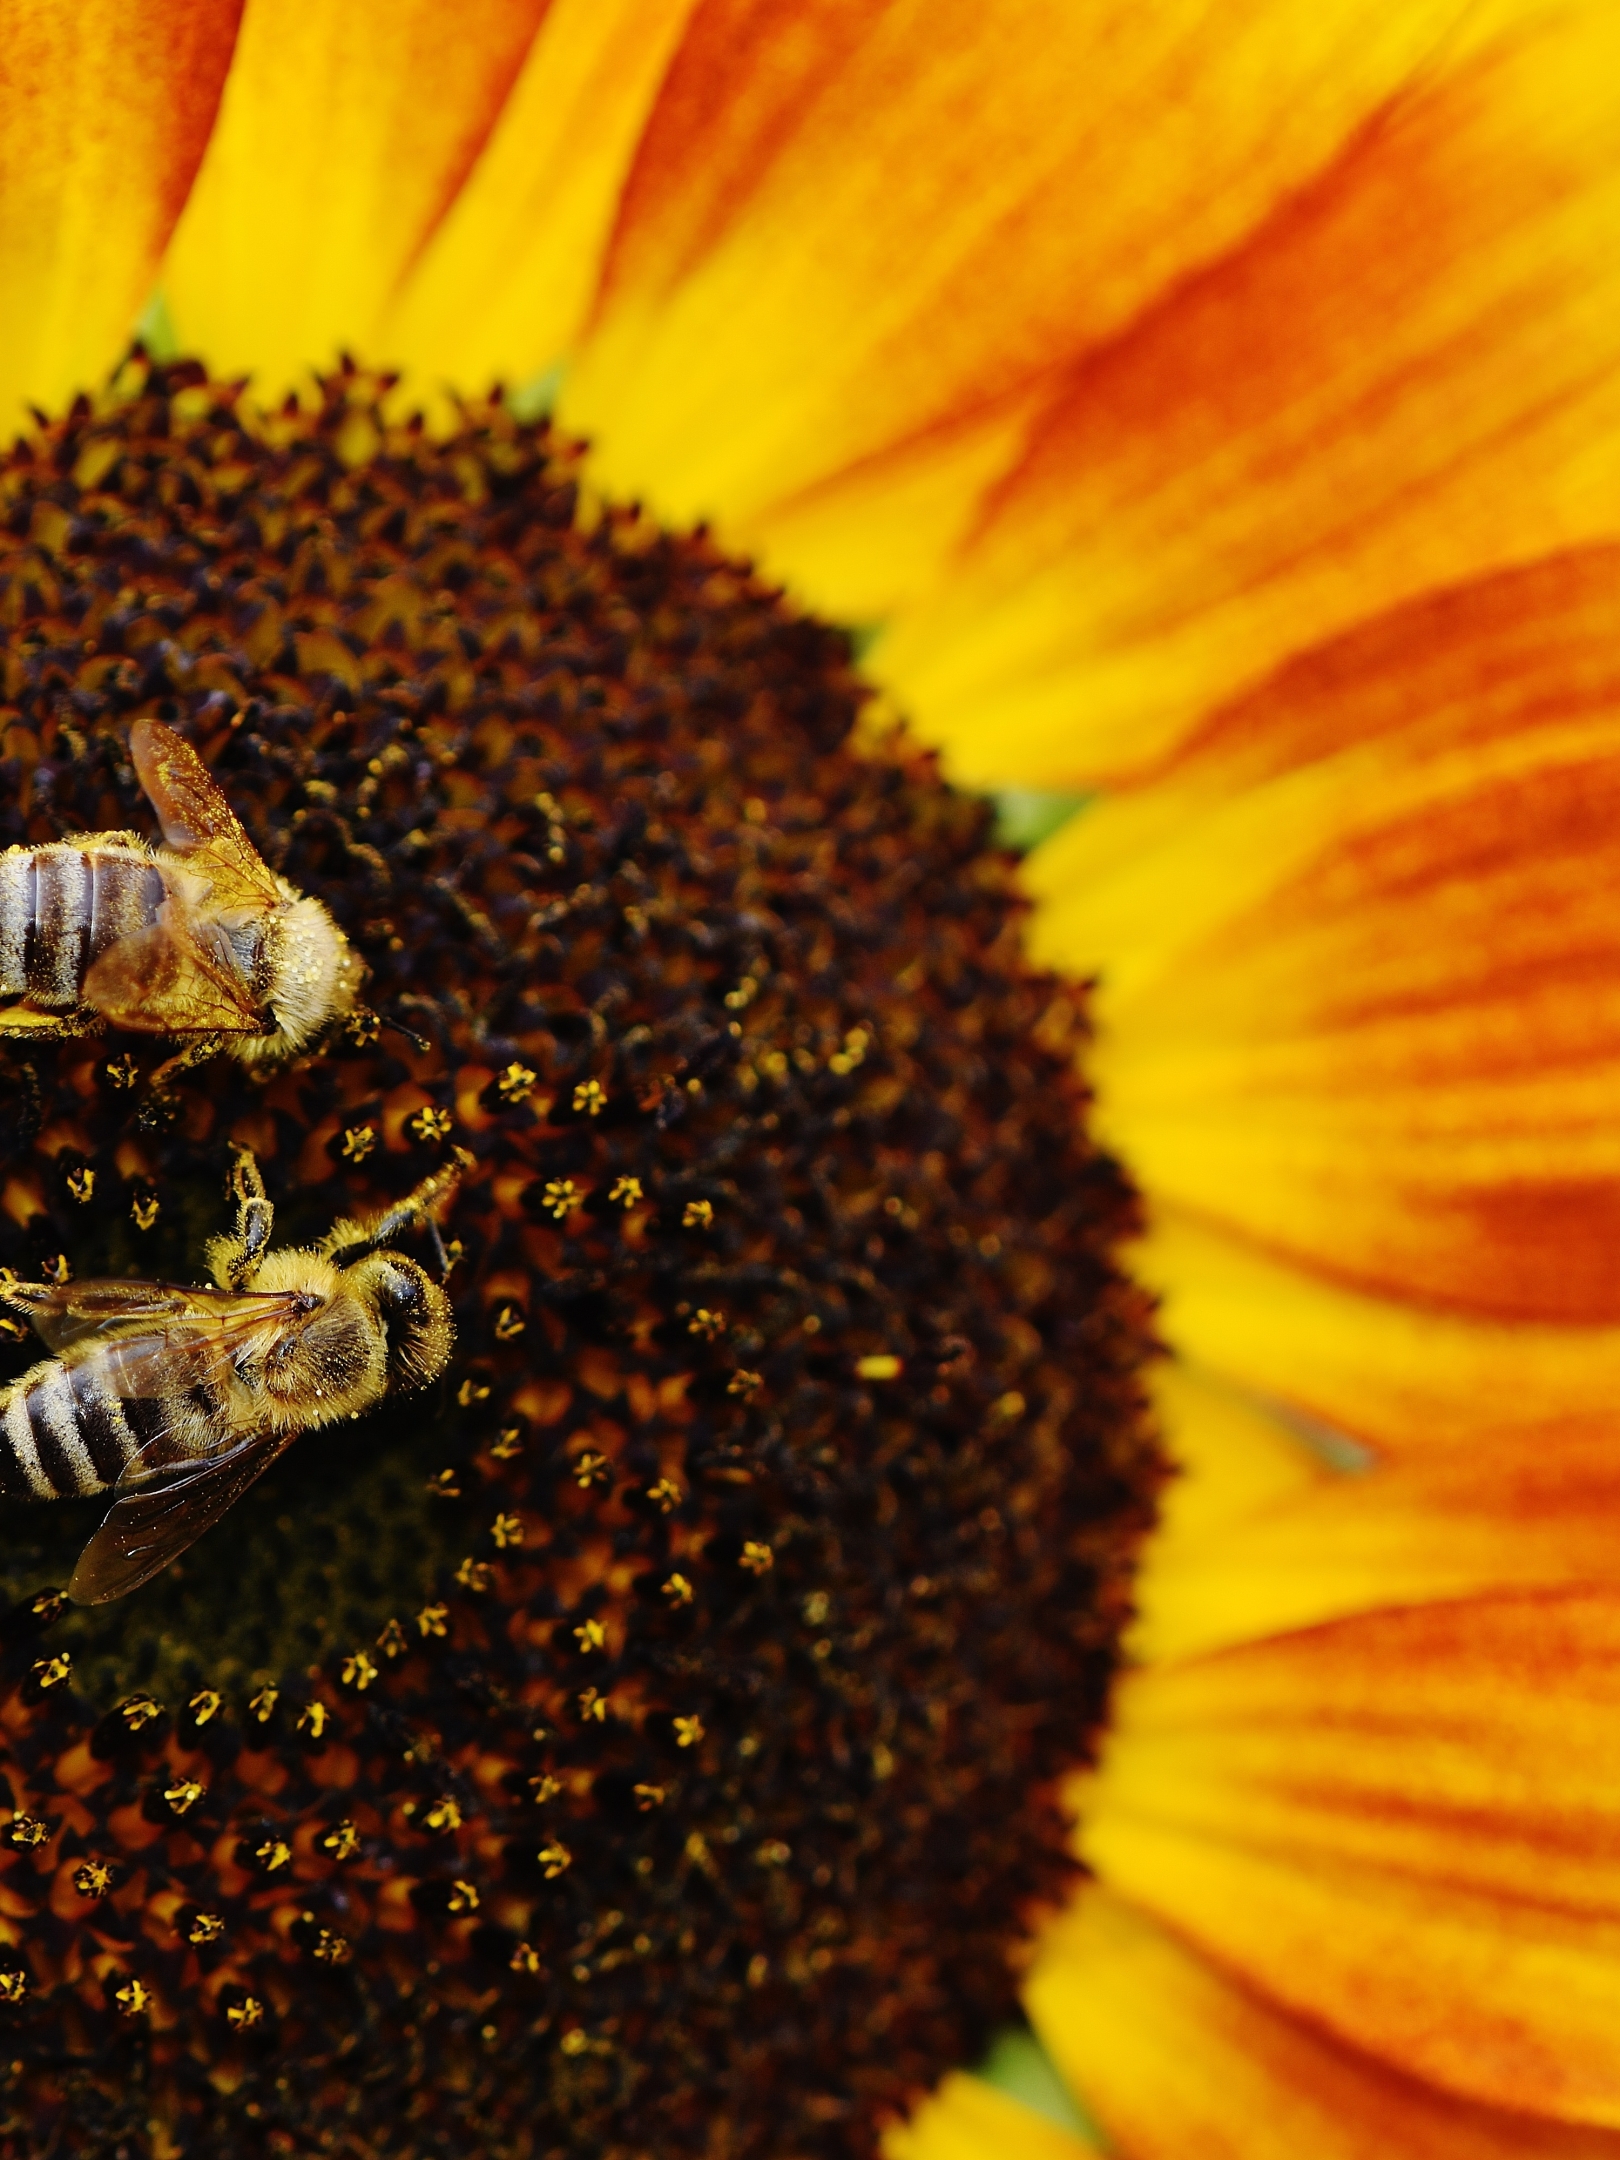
column 645, row 1740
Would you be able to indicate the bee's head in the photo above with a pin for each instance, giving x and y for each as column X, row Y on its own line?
column 415, row 1315
column 311, row 977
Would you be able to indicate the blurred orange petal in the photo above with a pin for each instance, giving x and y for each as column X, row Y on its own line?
column 504, row 286
column 105, row 111
column 966, row 2119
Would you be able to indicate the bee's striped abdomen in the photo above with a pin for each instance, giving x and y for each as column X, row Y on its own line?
column 63, row 1433
column 61, row 906
column 17, row 933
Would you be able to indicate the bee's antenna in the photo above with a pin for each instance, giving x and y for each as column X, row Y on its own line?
column 432, row 1012
column 442, row 1253
column 417, row 1042
column 364, row 1022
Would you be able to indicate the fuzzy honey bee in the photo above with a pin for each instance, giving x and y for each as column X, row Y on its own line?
column 197, row 938
column 178, row 1398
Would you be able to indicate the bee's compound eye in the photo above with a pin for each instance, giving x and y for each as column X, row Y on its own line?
column 401, row 1291
column 415, row 1314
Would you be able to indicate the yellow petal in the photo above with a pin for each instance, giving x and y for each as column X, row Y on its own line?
column 1400, row 1827
column 1404, row 1379
column 1366, row 1009
column 1259, row 1538
column 344, row 135
column 105, row 108
column 503, row 288
column 859, row 245
column 966, row 2119
column 1404, row 373
column 1181, row 2064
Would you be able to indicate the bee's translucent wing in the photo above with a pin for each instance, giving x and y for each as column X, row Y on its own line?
column 190, row 807
column 63, row 1313
column 198, row 821
column 138, row 1323
column 169, row 1361
column 164, row 980
column 157, row 1512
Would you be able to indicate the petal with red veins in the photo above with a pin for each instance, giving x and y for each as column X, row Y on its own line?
column 1261, row 1535
column 1365, row 1011
column 859, row 246
column 1179, row 2061
column 1399, row 1827
column 1404, row 374
column 1401, row 1378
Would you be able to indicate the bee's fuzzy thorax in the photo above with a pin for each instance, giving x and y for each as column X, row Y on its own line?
column 312, row 976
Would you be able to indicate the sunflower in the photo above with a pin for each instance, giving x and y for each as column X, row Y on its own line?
column 1206, row 421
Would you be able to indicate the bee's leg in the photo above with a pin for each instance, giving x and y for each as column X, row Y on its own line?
column 255, row 1217
column 234, row 1259
column 196, row 1052
column 161, row 1102
column 24, row 1023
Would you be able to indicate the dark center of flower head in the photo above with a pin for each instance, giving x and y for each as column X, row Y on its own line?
column 645, row 1740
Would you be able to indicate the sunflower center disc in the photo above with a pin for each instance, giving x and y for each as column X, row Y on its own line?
column 646, row 1740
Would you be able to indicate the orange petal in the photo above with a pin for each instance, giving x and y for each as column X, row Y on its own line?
column 966, row 2119
column 1181, row 2064
column 1401, row 1828
column 1259, row 1536
column 1407, row 372
column 344, row 135
column 1367, row 1011
column 857, row 245
column 105, row 108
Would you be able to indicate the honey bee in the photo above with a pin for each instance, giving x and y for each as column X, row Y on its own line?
column 177, row 1398
column 197, row 938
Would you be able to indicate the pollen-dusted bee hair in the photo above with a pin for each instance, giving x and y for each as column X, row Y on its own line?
column 181, row 1398
column 198, row 937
